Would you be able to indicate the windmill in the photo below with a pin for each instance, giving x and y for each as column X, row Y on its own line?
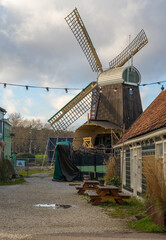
column 118, row 84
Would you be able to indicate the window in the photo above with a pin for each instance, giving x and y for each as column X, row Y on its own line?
column 159, row 150
column 165, row 151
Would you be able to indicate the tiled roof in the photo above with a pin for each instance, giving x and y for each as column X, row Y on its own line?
column 153, row 118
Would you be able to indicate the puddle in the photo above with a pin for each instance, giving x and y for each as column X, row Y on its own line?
column 55, row 206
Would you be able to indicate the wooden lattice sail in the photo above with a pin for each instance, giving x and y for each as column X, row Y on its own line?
column 78, row 28
column 138, row 42
column 89, row 97
column 75, row 108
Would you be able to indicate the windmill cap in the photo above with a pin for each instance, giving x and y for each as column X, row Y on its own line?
column 129, row 75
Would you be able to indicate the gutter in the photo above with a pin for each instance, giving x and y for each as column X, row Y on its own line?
column 158, row 132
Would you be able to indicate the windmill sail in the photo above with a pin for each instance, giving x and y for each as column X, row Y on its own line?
column 139, row 42
column 89, row 97
column 78, row 28
column 75, row 108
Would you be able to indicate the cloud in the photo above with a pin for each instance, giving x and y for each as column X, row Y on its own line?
column 38, row 48
column 60, row 100
column 39, row 117
column 148, row 94
column 25, row 111
column 8, row 101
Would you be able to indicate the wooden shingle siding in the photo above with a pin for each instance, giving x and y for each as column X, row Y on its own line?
column 132, row 107
column 118, row 106
column 110, row 106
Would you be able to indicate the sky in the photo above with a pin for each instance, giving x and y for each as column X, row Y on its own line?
column 38, row 48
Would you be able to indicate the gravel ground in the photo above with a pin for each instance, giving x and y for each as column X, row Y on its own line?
column 21, row 219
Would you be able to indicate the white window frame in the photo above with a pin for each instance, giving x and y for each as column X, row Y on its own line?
column 123, row 166
column 135, row 165
column 157, row 143
column 163, row 156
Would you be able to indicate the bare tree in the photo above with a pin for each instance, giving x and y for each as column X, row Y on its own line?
column 31, row 135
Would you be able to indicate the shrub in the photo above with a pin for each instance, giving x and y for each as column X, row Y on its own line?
column 112, row 169
column 25, row 155
column 155, row 182
column 146, row 225
column 115, row 181
column 6, row 170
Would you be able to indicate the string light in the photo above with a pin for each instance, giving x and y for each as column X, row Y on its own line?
column 80, row 89
column 162, row 88
column 115, row 89
column 100, row 90
column 66, row 90
column 38, row 87
column 152, row 83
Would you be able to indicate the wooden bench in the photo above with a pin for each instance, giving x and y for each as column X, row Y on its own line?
column 94, row 198
column 107, row 192
column 87, row 185
column 80, row 189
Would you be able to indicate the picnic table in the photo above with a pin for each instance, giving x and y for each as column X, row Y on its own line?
column 87, row 185
column 107, row 192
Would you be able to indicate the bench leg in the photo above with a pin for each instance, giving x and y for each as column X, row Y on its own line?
column 96, row 201
column 119, row 201
column 81, row 191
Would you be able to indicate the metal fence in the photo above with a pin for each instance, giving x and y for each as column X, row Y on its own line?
column 27, row 164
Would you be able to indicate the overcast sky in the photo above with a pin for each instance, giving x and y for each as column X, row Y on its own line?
column 38, row 48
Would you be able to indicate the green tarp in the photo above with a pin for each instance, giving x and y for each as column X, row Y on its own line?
column 65, row 169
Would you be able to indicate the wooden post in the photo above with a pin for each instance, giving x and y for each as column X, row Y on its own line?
column 88, row 117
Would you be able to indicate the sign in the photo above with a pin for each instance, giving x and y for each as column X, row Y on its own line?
column 20, row 163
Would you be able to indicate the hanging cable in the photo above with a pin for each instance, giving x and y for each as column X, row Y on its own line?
column 67, row 89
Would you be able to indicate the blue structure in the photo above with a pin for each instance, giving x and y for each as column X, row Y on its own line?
column 52, row 143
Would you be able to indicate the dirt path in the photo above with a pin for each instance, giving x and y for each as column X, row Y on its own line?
column 21, row 219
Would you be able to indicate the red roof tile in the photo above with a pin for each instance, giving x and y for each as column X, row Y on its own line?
column 154, row 117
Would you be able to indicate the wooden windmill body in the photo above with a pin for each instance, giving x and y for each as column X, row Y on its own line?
column 114, row 100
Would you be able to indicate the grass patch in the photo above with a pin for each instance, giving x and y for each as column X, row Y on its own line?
column 131, row 207
column 13, row 182
column 146, row 225
column 34, row 171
